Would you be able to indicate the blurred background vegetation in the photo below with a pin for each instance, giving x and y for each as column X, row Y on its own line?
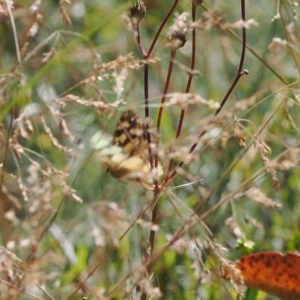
column 67, row 219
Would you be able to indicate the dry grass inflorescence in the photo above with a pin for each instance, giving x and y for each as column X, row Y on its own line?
column 214, row 88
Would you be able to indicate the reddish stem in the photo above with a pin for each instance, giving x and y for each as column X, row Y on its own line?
column 161, row 27
column 166, row 88
column 188, row 87
column 240, row 73
column 147, row 114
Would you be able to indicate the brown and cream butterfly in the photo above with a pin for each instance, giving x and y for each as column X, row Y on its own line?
column 126, row 154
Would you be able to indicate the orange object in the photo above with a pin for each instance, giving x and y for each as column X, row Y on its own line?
column 272, row 272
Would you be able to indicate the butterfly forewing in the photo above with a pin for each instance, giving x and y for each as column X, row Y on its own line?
column 130, row 133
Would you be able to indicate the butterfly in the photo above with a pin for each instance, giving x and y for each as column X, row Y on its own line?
column 125, row 155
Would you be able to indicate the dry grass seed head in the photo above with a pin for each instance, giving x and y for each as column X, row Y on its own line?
column 232, row 273
column 53, row 139
column 23, row 124
column 289, row 160
column 33, row 30
column 24, row 190
column 121, row 61
column 254, row 223
column 40, row 197
column 240, row 135
column 277, row 43
column 201, row 271
column 215, row 247
column 180, row 23
column 5, row 7
column 263, row 148
column 99, row 106
column 142, row 280
column 244, row 24
column 11, row 193
column 270, row 166
column 53, row 107
column 259, row 197
column 14, row 144
column 290, row 119
column 225, row 136
column 148, row 225
column 208, row 20
column 35, row 7
column 63, row 4
column 234, row 227
column 183, row 100
column 111, row 222
column 10, row 269
column 175, row 151
column 227, row 115
column 119, row 81
column 98, row 237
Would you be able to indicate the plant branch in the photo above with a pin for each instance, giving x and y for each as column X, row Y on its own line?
column 240, row 73
column 161, row 27
column 189, row 83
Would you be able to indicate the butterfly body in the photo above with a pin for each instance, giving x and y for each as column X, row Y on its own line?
column 126, row 154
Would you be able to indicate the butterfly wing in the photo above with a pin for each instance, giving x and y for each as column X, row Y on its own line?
column 126, row 154
column 130, row 135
